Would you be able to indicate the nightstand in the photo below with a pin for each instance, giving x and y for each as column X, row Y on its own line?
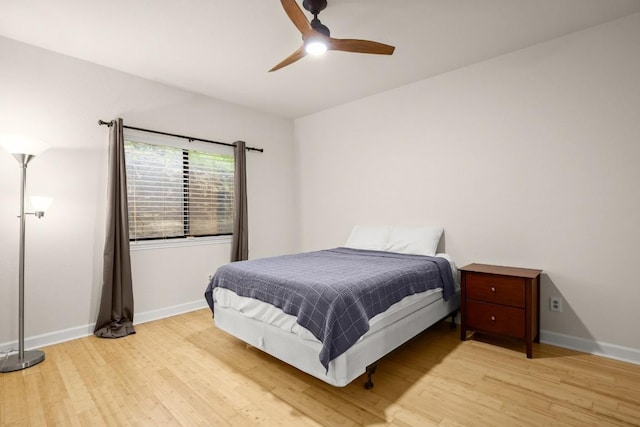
column 502, row 301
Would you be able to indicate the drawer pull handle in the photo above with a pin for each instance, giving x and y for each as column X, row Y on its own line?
column 493, row 318
column 493, row 289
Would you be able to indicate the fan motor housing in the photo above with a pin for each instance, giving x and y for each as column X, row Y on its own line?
column 320, row 27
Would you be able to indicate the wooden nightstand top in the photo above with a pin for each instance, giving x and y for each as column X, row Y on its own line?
column 527, row 273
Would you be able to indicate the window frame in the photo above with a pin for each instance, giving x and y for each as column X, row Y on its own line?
column 185, row 145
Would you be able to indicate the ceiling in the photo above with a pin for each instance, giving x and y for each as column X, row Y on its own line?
column 224, row 48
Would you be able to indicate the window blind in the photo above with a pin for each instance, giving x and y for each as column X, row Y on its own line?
column 176, row 192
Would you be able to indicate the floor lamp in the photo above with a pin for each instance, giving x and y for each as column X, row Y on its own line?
column 24, row 149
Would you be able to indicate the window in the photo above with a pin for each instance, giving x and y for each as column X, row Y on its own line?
column 177, row 192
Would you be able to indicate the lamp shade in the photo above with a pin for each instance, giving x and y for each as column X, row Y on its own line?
column 21, row 144
column 40, row 204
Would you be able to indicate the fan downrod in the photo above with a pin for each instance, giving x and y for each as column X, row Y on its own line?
column 314, row 6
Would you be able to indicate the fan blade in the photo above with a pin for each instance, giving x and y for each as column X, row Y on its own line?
column 300, row 53
column 296, row 15
column 360, row 46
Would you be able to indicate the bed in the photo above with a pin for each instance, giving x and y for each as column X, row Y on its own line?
column 334, row 313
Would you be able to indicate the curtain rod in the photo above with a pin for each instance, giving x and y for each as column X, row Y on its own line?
column 190, row 138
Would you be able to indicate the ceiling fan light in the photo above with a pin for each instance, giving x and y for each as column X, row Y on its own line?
column 315, row 47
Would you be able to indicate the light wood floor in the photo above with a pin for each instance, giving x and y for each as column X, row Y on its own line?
column 183, row 371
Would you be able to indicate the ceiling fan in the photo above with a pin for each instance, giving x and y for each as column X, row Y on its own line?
column 317, row 38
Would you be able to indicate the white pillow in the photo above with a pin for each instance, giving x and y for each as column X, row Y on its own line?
column 369, row 237
column 416, row 240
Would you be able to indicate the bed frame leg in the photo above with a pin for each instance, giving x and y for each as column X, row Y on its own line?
column 453, row 319
column 371, row 369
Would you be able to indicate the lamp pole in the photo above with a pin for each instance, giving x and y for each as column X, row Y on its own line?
column 23, row 359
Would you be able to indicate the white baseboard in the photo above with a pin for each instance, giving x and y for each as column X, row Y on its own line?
column 86, row 330
column 611, row 351
column 161, row 313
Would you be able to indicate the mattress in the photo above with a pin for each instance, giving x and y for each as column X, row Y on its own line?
column 267, row 313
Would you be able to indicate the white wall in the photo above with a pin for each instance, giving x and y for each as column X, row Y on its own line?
column 529, row 159
column 59, row 100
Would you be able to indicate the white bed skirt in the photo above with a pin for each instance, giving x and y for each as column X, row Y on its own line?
column 303, row 354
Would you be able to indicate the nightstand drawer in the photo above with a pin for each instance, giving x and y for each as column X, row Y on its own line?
column 482, row 316
column 497, row 289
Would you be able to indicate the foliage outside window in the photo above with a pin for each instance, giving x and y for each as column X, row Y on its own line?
column 178, row 193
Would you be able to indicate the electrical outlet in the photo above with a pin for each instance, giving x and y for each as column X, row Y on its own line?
column 555, row 304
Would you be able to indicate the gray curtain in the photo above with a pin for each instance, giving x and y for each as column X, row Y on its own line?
column 115, row 318
column 240, row 243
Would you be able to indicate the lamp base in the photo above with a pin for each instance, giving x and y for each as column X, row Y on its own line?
column 14, row 363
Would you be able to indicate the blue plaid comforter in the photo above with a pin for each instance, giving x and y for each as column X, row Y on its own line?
column 333, row 293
